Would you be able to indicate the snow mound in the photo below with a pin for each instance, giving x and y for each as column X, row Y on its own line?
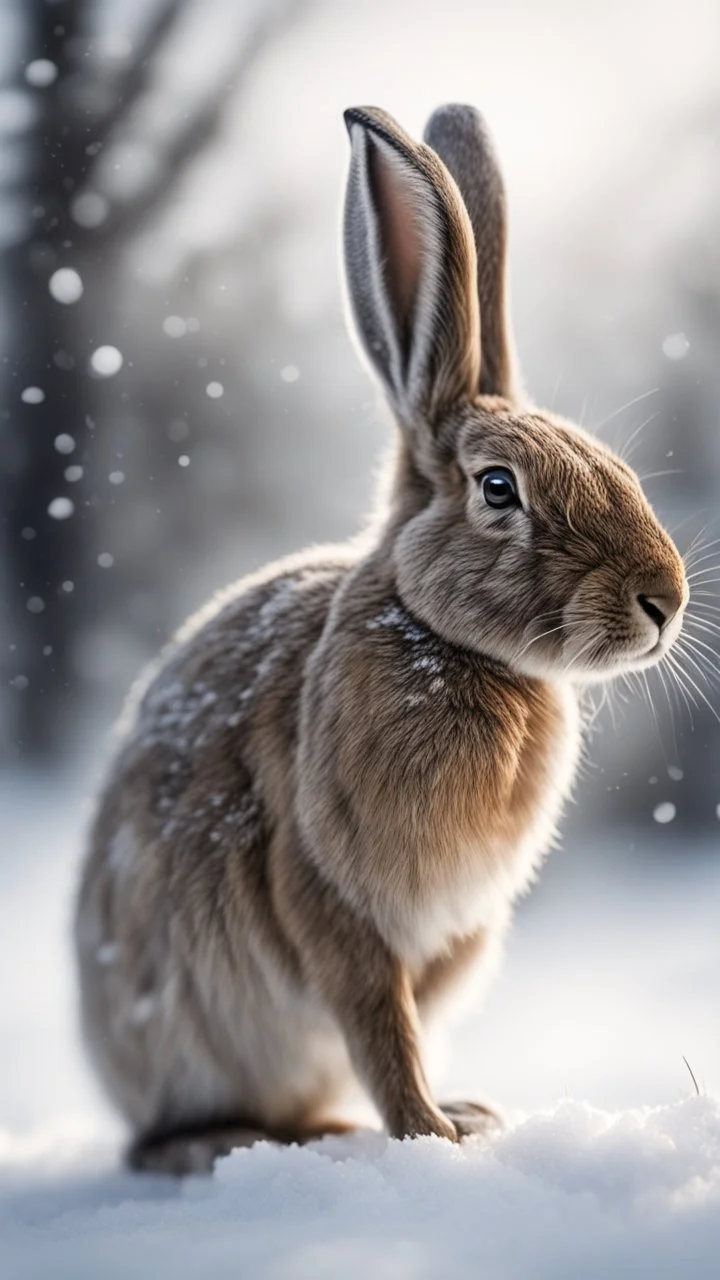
column 573, row 1193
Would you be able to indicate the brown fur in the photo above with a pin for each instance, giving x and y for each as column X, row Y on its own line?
column 337, row 779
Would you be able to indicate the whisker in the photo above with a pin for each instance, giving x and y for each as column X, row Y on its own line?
column 700, row 694
column 697, row 572
column 705, row 624
column 702, row 670
column 700, row 604
column 628, row 405
column 700, row 559
column 686, row 520
column 671, row 709
column 689, row 649
column 651, row 704
column 673, row 675
column 594, row 639
column 626, row 452
column 534, row 640
column 654, row 475
column 679, row 676
column 693, row 551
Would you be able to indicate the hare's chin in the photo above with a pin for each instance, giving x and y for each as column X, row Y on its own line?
column 614, row 662
column 622, row 662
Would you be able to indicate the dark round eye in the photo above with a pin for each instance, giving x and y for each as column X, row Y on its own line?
column 499, row 488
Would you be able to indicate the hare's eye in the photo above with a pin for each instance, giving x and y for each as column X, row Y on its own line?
column 498, row 488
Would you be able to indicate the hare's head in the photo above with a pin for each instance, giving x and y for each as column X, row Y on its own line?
column 514, row 533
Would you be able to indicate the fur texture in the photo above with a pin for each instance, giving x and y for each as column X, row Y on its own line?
column 336, row 781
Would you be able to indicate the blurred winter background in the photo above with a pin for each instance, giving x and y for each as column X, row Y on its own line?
column 179, row 402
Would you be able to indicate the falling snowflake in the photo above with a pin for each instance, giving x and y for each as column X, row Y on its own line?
column 106, row 361
column 65, row 286
column 61, row 508
column 174, row 326
column 676, row 346
column 90, row 209
column 40, row 73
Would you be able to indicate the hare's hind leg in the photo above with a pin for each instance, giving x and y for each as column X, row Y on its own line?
column 181, row 1152
column 194, row 1150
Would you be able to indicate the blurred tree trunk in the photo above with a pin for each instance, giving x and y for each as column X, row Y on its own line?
column 45, row 349
column 50, row 560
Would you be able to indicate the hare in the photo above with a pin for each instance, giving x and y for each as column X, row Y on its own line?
column 340, row 775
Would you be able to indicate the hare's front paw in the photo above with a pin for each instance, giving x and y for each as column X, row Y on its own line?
column 472, row 1117
column 425, row 1122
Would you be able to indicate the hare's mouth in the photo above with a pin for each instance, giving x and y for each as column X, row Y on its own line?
column 636, row 653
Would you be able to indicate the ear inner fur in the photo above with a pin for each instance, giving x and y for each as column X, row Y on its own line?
column 410, row 269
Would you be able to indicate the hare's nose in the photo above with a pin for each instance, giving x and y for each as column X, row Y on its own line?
column 661, row 609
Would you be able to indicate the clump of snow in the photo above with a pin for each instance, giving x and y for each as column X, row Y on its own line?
column 64, row 443
column 428, row 652
column 215, row 390
column 573, row 1192
column 106, row 361
column 183, row 460
column 66, row 286
column 36, row 604
column 106, row 560
column 116, row 477
column 290, row 373
column 73, row 474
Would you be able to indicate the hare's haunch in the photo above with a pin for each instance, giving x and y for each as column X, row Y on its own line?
column 336, row 781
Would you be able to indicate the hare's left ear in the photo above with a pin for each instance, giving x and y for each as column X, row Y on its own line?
column 411, row 269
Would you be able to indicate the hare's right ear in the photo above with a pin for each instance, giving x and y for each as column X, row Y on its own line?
column 410, row 267
column 460, row 137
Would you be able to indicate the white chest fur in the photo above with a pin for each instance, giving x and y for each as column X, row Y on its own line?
column 485, row 878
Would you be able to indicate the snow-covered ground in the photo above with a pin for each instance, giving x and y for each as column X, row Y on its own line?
column 610, row 1166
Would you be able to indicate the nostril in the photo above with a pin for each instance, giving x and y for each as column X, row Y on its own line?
column 653, row 611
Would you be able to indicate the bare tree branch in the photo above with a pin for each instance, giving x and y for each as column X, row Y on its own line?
column 138, row 77
column 126, row 219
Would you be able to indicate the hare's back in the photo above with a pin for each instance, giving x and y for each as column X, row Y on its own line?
column 208, row 733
